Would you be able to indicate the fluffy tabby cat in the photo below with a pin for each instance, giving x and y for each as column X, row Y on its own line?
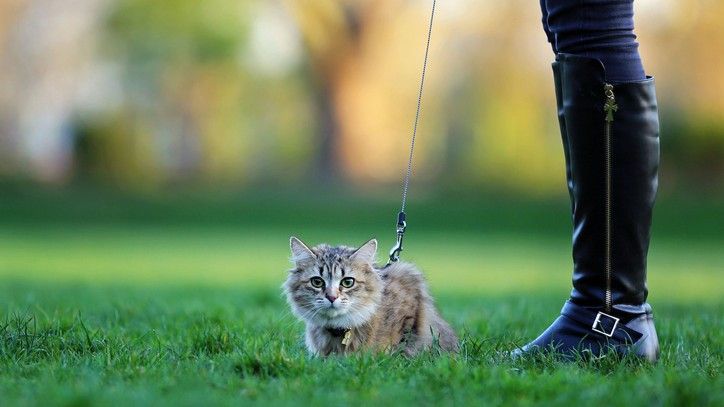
column 348, row 304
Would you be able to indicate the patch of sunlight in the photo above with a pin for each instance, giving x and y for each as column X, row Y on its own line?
column 453, row 263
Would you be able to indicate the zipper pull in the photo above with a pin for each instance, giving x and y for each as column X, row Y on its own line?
column 610, row 107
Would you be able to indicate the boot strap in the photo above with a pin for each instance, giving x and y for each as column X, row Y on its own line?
column 601, row 324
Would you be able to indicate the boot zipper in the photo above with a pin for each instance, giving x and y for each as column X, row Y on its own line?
column 610, row 107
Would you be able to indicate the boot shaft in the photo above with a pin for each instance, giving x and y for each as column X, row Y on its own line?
column 611, row 139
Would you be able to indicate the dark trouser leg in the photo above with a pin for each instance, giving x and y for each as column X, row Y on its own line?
column 611, row 145
column 600, row 29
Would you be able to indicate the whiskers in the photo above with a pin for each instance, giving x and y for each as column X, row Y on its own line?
column 290, row 318
column 309, row 315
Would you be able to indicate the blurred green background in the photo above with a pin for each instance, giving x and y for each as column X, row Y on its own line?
column 156, row 155
column 180, row 142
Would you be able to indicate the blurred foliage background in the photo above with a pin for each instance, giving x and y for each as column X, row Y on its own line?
column 156, row 155
column 150, row 95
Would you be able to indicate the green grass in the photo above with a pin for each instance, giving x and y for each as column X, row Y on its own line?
column 172, row 305
column 71, row 344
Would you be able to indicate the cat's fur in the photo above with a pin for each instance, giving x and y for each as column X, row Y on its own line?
column 385, row 310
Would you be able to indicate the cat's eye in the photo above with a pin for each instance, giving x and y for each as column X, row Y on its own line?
column 316, row 282
column 347, row 282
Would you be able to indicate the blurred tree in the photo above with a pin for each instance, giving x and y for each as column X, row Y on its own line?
column 45, row 50
column 367, row 57
column 211, row 113
column 678, row 39
column 287, row 91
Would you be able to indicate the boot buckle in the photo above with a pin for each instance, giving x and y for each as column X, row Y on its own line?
column 600, row 328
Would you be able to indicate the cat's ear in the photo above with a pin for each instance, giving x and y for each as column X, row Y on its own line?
column 300, row 252
column 366, row 252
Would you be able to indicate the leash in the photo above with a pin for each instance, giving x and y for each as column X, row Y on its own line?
column 401, row 216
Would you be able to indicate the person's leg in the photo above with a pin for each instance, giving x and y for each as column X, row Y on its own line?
column 600, row 29
column 611, row 145
column 546, row 29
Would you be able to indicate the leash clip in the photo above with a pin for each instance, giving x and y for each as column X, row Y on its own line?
column 397, row 248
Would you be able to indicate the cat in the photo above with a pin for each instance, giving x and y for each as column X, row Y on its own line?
column 350, row 305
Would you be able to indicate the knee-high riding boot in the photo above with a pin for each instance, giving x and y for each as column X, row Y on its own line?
column 610, row 138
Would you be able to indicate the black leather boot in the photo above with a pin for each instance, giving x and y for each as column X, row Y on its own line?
column 611, row 142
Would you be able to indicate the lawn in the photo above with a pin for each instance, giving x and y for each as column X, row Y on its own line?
column 119, row 301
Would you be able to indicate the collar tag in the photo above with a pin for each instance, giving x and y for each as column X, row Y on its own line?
column 347, row 338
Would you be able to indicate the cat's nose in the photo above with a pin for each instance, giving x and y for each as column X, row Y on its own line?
column 331, row 298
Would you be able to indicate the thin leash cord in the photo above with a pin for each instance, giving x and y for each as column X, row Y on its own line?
column 401, row 223
column 408, row 174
